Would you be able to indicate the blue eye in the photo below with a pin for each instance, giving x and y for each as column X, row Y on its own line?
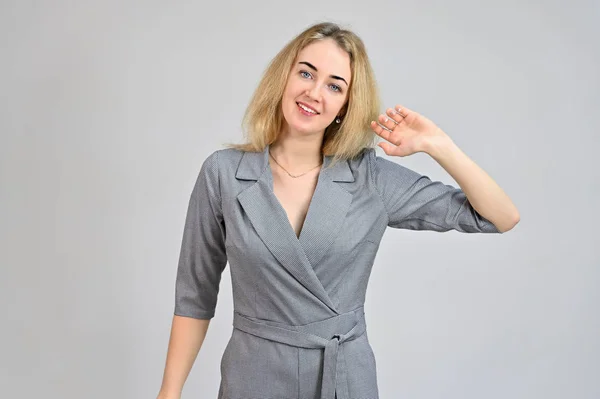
column 301, row 72
column 335, row 87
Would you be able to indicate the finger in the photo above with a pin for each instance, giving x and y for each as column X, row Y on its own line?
column 380, row 131
column 387, row 122
column 402, row 110
column 386, row 147
column 390, row 149
column 395, row 116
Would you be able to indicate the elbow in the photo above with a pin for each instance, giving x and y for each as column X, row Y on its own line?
column 515, row 219
column 504, row 227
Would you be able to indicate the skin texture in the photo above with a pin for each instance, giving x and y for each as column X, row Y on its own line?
column 187, row 336
column 298, row 147
column 317, row 89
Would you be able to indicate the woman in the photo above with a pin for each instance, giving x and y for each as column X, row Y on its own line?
column 299, row 211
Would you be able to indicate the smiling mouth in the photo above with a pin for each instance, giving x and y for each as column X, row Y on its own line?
column 306, row 109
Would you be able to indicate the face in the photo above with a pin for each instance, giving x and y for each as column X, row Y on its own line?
column 318, row 80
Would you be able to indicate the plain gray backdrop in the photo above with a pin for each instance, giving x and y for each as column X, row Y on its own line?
column 109, row 108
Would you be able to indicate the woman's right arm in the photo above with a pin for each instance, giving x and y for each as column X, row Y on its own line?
column 201, row 262
column 187, row 335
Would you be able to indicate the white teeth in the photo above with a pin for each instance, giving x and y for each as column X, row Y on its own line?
column 306, row 109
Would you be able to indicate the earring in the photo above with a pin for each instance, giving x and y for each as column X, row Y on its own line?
column 337, row 120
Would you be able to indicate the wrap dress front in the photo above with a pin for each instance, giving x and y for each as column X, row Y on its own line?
column 299, row 325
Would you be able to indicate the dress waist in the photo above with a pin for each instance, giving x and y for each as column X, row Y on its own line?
column 329, row 334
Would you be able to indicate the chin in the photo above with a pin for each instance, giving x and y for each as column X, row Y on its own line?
column 304, row 128
column 299, row 130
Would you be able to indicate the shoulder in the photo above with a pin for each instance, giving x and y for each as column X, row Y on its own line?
column 226, row 156
column 383, row 166
column 221, row 158
column 377, row 164
column 363, row 159
column 223, row 165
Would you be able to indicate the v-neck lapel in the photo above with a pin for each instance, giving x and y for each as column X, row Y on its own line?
column 326, row 213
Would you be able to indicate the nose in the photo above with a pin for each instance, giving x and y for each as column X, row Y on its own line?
column 314, row 92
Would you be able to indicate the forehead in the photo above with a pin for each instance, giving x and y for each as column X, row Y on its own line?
column 327, row 57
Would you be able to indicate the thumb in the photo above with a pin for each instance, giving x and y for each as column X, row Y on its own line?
column 386, row 147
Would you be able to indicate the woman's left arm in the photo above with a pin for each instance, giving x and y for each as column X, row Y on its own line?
column 484, row 194
column 408, row 132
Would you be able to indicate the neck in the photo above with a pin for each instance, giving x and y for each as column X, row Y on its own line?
column 297, row 153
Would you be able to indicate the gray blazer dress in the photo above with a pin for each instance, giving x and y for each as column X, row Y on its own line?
column 299, row 325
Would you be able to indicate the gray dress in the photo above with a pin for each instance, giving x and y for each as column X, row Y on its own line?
column 299, row 324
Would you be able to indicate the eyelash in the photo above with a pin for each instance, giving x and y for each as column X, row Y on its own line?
column 339, row 89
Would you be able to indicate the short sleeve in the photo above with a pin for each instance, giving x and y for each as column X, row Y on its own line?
column 415, row 202
column 203, row 257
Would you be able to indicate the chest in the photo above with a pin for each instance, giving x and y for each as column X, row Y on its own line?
column 294, row 196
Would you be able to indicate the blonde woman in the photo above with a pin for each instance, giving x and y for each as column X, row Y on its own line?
column 299, row 211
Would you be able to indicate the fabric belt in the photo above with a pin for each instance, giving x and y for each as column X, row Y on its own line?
column 329, row 334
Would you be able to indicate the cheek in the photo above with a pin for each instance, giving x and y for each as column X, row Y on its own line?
column 335, row 104
column 294, row 86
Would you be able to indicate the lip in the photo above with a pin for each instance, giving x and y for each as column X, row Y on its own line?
column 308, row 106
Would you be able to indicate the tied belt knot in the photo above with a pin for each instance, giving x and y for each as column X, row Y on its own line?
column 329, row 334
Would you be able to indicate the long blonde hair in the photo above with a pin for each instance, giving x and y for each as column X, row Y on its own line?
column 263, row 119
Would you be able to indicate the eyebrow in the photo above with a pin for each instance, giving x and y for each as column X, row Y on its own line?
column 316, row 70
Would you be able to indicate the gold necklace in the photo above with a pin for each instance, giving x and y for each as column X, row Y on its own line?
column 289, row 172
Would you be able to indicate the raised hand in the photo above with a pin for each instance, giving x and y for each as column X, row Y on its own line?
column 407, row 132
